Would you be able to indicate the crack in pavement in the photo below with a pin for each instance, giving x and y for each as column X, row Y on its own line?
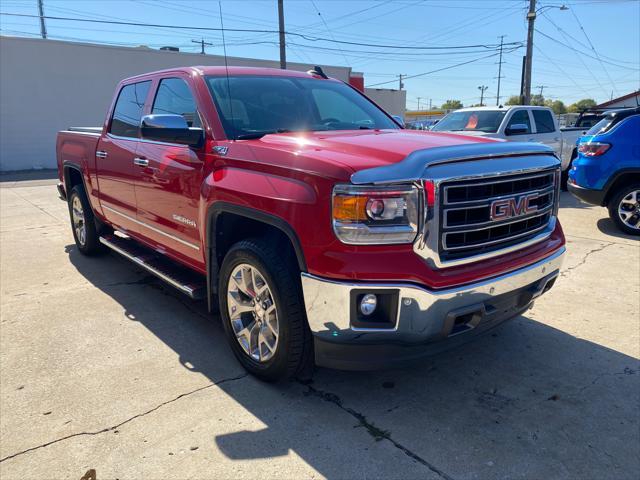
column 130, row 419
column 584, row 258
column 374, row 431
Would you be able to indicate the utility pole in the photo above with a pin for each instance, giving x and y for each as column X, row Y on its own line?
column 531, row 17
column 499, row 70
column 419, row 102
column 202, row 44
column 283, row 49
column 482, row 89
column 400, row 84
column 43, row 27
column 430, row 104
column 541, row 87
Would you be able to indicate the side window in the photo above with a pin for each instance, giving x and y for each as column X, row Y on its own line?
column 521, row 117
column 128, row 111
column 174, row 97
column 544, row 121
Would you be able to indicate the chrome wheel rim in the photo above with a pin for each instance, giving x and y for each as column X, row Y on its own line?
column 79, row 224
column 252, row 312
column 629, row 209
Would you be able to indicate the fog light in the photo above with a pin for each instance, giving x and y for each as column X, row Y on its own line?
column 368, row 304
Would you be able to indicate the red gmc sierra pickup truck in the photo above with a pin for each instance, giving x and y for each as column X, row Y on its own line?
column 322, row 231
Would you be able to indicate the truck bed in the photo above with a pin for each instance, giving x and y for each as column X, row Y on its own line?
column 77, row 146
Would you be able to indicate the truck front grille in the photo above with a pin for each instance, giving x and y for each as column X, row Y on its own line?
column 489, row 214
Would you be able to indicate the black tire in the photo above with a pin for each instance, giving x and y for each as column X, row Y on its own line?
column 615, row 203
column 89, row 243
column 293, row 356
column 564, row 175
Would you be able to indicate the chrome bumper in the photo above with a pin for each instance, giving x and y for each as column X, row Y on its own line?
column 422, row 314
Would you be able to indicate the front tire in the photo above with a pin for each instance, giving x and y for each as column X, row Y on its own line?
column 624, row 209
column 263, row 313
column 83, row 223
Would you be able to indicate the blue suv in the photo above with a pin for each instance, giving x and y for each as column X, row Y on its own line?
column 607, row 169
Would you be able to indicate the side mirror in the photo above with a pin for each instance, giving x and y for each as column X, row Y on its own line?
column 170, row 129
column 399, row 120
column 517, row 129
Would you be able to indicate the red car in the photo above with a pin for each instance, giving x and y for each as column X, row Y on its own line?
column 322, row 231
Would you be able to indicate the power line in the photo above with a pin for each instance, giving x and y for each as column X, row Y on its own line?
column 328, row 30
column 583, row 53
column 594, row 50
column 584, row 64
column 312, row 38
column 435, row 71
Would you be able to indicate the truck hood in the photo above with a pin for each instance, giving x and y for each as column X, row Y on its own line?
column 351, row 150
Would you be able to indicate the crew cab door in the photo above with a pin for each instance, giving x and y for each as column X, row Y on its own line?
column 518, row 116
column 115, row 155
column 545, row 129
column 169, row 177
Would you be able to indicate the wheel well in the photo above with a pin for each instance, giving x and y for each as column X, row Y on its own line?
column 621, row 181
column 72, row 177
column 230, row 228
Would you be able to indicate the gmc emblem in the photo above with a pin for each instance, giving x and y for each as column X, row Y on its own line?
column 513, row 207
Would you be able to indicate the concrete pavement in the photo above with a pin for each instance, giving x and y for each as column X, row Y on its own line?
column 103, row 367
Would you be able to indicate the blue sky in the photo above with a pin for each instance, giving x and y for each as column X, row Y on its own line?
column 590, row 50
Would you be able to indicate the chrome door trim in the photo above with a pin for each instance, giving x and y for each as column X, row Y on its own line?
column 101, row 154
column 146, row 225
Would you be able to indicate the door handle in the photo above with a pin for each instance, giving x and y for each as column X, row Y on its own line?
column 141, row 162
column 101, row 154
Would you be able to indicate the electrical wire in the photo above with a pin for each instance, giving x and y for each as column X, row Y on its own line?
column 247, row 30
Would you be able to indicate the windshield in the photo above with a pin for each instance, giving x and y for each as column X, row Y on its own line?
column 253, row 106
column 487, row 121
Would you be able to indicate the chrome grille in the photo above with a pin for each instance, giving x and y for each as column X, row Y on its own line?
column 467, row 228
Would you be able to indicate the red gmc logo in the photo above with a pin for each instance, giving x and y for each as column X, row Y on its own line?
column 513, row 207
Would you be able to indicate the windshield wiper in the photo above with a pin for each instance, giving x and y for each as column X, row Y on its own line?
column 254, row 135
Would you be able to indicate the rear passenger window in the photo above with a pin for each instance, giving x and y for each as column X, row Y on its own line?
column 128, row 111
column 174, row 97
column 521, row 117
column 544, row 121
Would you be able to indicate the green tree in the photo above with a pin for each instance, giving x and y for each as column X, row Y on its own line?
column 513, row 100
column 557, row 106
column 582, row 105
column 537, row 100
column 451, row 105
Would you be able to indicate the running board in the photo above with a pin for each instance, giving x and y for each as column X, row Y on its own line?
column 184, row 279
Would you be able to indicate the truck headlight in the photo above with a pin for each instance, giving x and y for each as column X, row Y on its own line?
column 367, row 215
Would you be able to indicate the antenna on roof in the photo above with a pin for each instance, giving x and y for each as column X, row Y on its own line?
column 226, row 68
column 317, row 71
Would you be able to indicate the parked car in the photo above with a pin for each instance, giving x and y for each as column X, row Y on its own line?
column 515, row 124
column 607, row 169
column 321, row 230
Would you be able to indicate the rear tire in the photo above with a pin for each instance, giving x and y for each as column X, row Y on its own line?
column 262, row 311
column 83, row 223
column 624, row 209
column 564, row 175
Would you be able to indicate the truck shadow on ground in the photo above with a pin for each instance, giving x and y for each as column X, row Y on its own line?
column 525, row 399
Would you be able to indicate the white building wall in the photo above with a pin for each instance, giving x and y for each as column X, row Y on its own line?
column 392, row 101
column 49, row 85
column 630, row 102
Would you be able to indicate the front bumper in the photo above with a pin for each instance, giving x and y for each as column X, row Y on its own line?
column 588, row 195
column 426, row 321
column 61, row 193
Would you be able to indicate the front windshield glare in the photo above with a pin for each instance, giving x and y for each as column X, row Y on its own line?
column 479, row 120
column 252, row 106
